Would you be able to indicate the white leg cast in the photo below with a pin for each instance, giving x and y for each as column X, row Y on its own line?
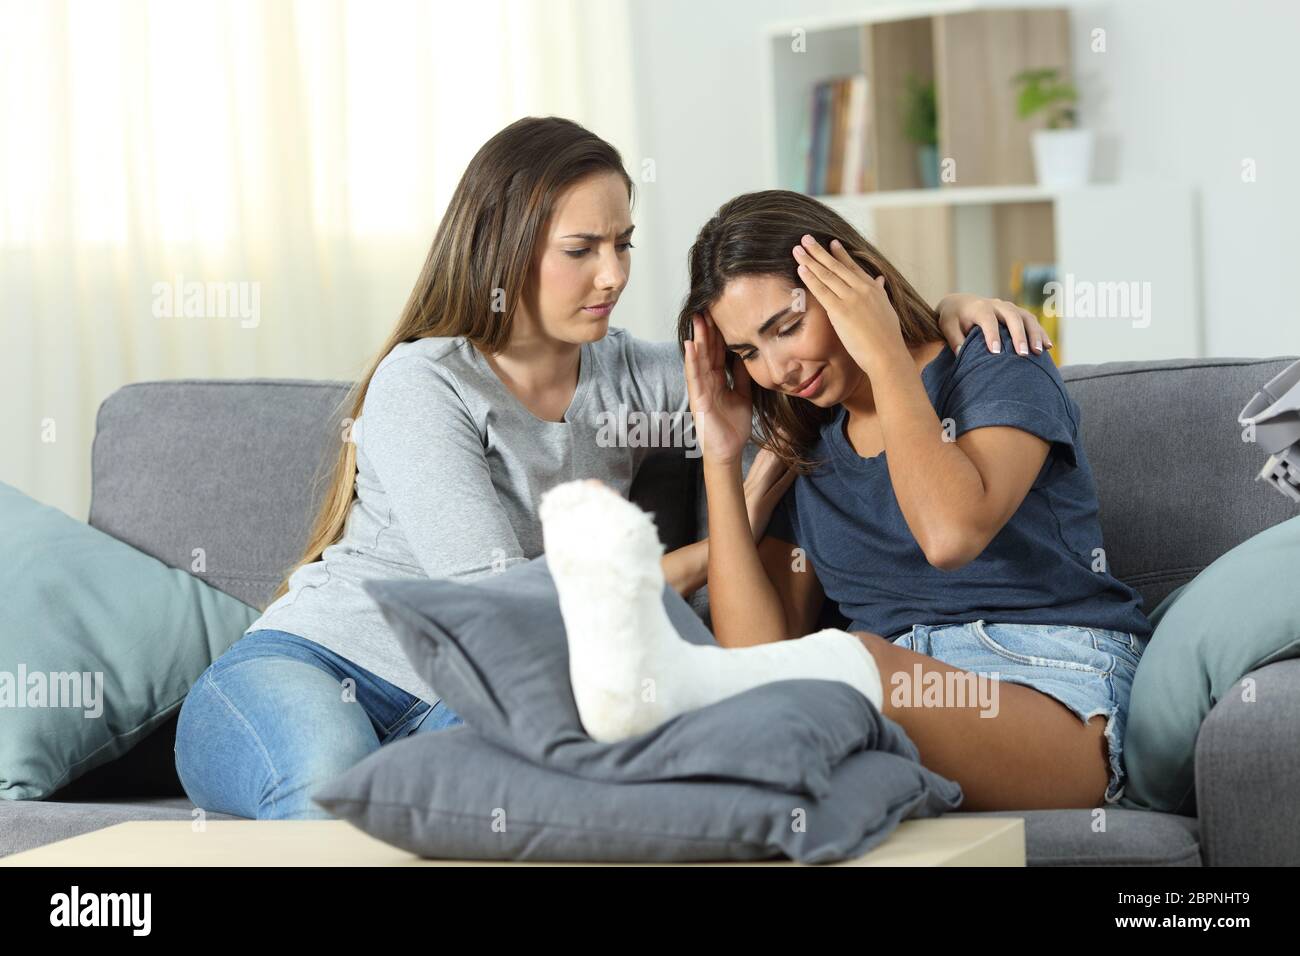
column 629, row 668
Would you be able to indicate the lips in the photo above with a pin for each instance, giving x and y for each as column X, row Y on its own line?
column 804, row 384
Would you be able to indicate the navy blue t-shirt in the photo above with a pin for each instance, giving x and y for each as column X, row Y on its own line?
column 1038, row 569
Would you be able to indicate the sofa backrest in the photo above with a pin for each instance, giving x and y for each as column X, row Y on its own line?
column 223, row 478
column 1174, row 478
column 229, row 467
column 235, row 468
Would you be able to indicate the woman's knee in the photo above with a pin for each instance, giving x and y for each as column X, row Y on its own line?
column 257, row 738
column 884, row 652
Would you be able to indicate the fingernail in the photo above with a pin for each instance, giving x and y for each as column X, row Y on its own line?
column 1023, row 349
column 997, row 346
column 836, row 244
column 1038, row 346
column 808, row 239
column 1049, row 343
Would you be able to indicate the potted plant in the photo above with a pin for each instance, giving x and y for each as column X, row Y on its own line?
column 1062, row 153
column 921, row 126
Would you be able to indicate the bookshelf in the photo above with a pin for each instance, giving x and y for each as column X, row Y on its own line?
column 986, row 214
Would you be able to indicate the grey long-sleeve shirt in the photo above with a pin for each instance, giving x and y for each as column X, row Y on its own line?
column 450, row 468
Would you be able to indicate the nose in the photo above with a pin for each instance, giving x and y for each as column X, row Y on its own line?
column 780, row 367
column 612, row 275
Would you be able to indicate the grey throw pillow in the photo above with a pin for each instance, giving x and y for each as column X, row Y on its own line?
column 495, row 649
column 454, row 795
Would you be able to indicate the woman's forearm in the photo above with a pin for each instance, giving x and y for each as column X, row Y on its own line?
column 937, row 486
column 743, row 604
column 687, row 569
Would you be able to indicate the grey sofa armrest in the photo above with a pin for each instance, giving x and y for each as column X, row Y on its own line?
column 1248, row 773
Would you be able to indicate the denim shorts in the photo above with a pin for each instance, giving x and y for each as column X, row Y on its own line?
column 1088, row 669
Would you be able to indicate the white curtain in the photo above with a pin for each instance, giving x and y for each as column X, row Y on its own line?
column 291, row 157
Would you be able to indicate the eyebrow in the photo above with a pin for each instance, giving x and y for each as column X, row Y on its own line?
column 592, row 237
column 761, row 329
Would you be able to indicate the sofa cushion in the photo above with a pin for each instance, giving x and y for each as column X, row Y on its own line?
column 495, row 650
column 99, row 645
column 28, row 824
column 1106, row 837
column 1239, row 614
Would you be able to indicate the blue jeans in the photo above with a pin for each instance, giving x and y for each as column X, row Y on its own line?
column 1088, row 669
column 276, row 716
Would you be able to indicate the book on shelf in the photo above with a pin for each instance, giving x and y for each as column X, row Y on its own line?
column 837, row 155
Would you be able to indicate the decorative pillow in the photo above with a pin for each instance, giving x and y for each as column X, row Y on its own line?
column 99, row 644
column 495, row 649
column 1240, row 613
column 454, row 795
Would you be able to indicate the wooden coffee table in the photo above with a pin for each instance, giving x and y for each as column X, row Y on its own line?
column 950, row 840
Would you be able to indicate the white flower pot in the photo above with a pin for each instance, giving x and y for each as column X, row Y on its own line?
column 1063, row 157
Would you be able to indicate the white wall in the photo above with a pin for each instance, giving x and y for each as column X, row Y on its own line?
column 1189, row 91
column 1186, row 90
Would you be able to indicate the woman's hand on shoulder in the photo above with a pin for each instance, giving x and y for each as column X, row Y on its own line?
column 960, row 312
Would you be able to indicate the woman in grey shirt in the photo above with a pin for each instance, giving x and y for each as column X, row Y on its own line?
column 488, row 393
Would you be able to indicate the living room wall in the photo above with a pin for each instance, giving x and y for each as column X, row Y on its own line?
column 1185, row 91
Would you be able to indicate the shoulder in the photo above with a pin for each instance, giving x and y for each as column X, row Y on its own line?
column 429, row 372
column 1004, row 389
column 1005, row 375
column 433, row 363
column 409, row 359
column 622, row 346
column 423, row 388
column 652, row 367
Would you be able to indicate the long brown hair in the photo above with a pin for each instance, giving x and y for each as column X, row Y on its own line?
column 753, row 235
column 477, row 269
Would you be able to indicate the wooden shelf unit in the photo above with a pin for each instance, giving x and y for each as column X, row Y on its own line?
column 966, row 234
column 971, row 56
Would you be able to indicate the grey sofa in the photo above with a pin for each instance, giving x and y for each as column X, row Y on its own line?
column 229, row 466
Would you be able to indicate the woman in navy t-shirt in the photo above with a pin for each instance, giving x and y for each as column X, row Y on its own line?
column 944, row 504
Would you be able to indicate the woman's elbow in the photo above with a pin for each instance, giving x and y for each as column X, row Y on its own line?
column 953, row 549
